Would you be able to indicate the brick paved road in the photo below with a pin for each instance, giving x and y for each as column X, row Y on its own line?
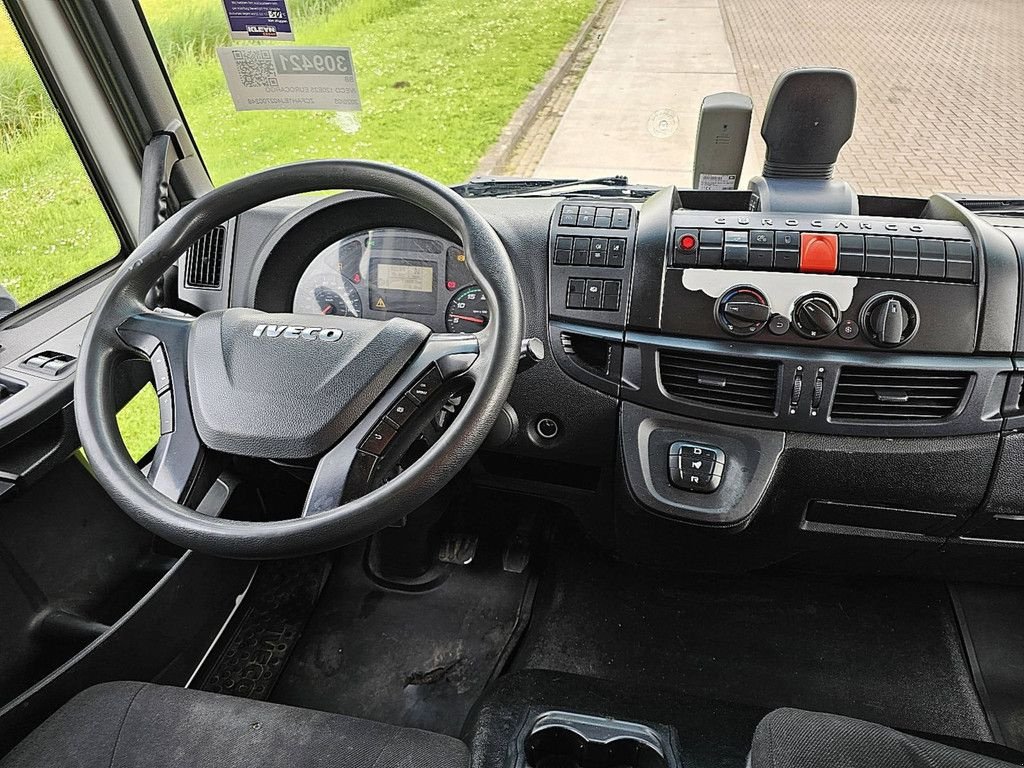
column 941, row 84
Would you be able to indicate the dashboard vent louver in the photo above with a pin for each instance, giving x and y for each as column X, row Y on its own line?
column 205, row 259
column 740, row 384
column 898, row 394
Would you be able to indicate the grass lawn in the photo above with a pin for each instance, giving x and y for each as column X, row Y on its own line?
column 439, row 79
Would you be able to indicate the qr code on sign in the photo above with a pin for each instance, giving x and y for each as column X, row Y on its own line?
column 255, row 68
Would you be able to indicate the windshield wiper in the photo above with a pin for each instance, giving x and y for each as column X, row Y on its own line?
column 510, row 187
column 1011, row 206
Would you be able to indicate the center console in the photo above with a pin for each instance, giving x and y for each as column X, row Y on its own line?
column 739, row 336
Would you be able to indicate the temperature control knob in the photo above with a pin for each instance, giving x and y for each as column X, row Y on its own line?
column 890, row 319
column 743, row 311
column 815, row 316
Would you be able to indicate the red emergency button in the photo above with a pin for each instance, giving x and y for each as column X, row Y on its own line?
column 687, row 242
column 818, row 253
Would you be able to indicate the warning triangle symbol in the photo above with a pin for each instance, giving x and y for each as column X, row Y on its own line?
column 379, row 304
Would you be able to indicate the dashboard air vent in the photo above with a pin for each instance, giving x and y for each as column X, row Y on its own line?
column 898, row 394
column 205, row 260
column 741, row 384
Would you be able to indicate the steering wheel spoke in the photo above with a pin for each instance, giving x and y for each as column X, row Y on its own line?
column 162, row 337
column 344, row 471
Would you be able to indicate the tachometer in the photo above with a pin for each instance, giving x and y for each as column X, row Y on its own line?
column 467, row 311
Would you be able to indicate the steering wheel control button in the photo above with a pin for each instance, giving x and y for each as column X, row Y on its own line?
column 379, row 439
column 695, row 468
column 161, row 371
column 779, row 325
column 818, row 253
column 815, row 316
column 742, row 311
column 400, row 412
column 848, row 330
column 426, row 386
column 166, row 405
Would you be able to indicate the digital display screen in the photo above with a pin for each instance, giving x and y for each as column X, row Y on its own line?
column 405, row 277
column 403, row 286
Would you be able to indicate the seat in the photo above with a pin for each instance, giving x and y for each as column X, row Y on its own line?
column 140, row 725
column 793, row 738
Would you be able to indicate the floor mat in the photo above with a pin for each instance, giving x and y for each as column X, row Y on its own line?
column 411, row 659
column 882, row 650
column 992, row 618
column 250, row 656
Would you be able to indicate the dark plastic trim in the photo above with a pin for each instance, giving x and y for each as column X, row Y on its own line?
column 979, row 413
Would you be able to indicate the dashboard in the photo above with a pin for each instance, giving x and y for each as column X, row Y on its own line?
column 843, row 387
column 394, row 272
column 802, row 382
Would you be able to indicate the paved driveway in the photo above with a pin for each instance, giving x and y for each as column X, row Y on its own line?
column 941, row 85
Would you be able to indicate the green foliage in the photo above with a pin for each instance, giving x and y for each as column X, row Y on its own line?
column 25, row 105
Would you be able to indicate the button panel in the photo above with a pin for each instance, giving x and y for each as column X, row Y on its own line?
column 590, row 259
column 695, row 468
column 598, row 217
column 49, row 363
column 593, row 293
column 384, row 433
column 590, row 251
column 869, row 254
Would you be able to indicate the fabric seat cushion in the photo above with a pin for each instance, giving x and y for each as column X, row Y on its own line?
column 140, row 725
column 794, row 738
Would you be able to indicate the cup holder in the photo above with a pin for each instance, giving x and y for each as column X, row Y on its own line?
column 568, row 740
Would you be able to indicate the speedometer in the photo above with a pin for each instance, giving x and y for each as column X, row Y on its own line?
column 328, row 293
column 467, row 311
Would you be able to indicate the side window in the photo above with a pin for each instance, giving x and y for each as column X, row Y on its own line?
column 53, row 226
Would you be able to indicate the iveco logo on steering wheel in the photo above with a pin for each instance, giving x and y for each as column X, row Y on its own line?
column 297, row 332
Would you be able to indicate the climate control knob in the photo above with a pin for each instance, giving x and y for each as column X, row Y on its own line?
column 890, row 319
column 815, row 316
column 743, row 311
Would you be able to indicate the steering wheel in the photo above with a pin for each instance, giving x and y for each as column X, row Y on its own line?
column 288, row 386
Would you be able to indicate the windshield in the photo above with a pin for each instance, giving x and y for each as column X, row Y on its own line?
column 438, row 79
column 580, row 89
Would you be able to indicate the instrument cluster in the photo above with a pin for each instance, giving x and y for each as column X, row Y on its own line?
column 394, row 271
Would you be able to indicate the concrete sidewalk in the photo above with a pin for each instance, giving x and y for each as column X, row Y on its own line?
column 636, row 109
